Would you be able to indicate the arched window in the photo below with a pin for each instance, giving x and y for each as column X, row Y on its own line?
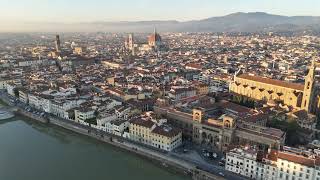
column 227, row 124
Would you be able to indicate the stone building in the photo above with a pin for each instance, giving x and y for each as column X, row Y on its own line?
column 298, row 96
column 222, row 124
column 154, row 133
column 288, row 163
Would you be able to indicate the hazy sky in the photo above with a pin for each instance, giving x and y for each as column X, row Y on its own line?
column 131, row 10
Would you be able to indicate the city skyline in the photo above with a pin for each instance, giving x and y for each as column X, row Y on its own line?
column 144, row 10
column 201, row 89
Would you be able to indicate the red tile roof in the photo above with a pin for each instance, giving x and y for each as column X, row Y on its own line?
column 166, row 131
column 141, row 122
column 295, row 86
column 297, row 159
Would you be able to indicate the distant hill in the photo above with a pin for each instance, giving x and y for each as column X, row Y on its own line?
column 252, row 22
column 236, row 22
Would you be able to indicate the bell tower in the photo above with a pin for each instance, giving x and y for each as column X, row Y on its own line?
column 197, row 115
column 308, row 87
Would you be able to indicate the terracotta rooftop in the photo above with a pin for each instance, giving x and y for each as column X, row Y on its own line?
column 165, row 130
column 141, row 122
column 297, row 159
column 154, row 37
column 234, row 107
column 275, row 82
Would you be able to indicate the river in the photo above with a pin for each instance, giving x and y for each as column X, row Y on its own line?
column 33, row 151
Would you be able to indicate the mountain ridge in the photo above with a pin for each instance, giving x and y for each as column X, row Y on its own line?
column 234, row 22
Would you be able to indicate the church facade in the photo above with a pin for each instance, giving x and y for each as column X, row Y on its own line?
column 154, row 43
column 298, row 96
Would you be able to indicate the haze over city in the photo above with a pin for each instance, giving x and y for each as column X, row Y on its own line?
column 16, row 15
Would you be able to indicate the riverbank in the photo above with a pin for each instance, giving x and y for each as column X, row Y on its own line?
column 57, row 153
column 176, row 166
column 162, row 159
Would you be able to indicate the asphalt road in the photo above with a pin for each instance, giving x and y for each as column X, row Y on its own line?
column 203, row 165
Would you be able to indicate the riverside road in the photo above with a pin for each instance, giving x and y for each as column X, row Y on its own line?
column 173, row 157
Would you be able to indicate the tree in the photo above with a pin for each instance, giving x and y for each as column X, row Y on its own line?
column 16, row 92
column 291, row 128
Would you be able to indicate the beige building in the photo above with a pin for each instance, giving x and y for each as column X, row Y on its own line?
column 222, row 124
column 84, row 113
column 298, row 96
column 289, row 163
column 162, row 136
column 231, row 129
column 126, row 94
column 78, row 50
column 202, row 89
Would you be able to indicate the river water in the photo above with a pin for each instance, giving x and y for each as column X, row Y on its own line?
column 34, row 151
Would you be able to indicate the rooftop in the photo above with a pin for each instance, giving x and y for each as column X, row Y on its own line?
column 166, row 130
column 142, row 122
column 275, row 82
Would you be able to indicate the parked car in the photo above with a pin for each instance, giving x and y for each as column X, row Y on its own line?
column 221, row 174
column 185, row 150
column 221, row 163
column 214, row 155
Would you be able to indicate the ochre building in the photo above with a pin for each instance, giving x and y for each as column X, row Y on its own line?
column 299, row 96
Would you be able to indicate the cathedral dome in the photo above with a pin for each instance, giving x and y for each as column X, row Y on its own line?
column 154, row 37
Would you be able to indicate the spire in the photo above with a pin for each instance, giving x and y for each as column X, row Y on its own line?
column 155, row 30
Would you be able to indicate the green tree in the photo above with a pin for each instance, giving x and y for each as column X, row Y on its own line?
column 16, row 92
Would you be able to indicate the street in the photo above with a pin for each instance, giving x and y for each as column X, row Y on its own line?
column 188, row 160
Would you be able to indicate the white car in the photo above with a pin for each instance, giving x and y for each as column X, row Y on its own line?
column 221, row 174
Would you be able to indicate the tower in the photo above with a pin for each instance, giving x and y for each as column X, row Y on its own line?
column 57, row 42
column 308, row 87
column 131, row 41
column 197, row 115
